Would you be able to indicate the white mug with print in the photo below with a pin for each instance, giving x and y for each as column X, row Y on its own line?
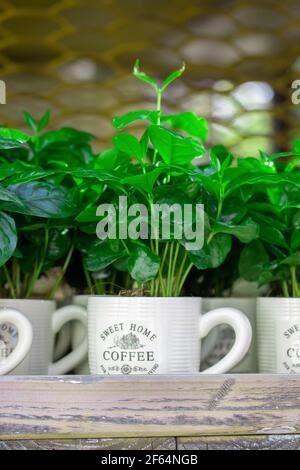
column 158, row 335
column 15, row 339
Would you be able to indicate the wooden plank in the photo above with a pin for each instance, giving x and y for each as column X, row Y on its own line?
column 279, row 442
column 91, row 444
column 148, row 406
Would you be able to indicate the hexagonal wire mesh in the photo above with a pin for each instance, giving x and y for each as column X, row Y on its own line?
column 75, row 57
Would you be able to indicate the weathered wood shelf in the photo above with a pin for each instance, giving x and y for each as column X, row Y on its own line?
column 157, row 412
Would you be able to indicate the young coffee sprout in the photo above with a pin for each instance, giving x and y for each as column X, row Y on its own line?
column 159, row 90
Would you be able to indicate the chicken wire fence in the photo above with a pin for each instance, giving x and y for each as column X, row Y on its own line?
column 75, row 58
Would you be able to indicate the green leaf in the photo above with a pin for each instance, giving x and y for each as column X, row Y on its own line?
column 144, row 182
column 296, row 220
column 43, row 199
column 272, row 235
column 30, row 121
column 188, row 122
column 174, row 148
column 8, row 196
column 44, row 121
column 6, row 144
column 8, row 237
column 295, row 240
column 293, row 260
column 220, row 158
column 252, row 260
column 64, row 135
column 213, row 254
column 143, row 264
column 245, row 232
column 173, row 76
column 12, row 138
column 88, row 215
column 122, row 121
column 142, row 76
column 100, row 255
column 13, row 135
column 128, row 144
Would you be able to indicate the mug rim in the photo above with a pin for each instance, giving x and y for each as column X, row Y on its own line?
column 7, row 299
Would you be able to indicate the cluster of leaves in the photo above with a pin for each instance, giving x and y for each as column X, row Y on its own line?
column 52, row 184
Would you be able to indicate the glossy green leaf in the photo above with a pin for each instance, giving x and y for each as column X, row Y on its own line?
column 100, row 255
column 252, row 261
column 143, row 182
column 128, row 144
column 122, row 121
column 64, row 135
column 188, row 122
column 213, row 254
column 245, row 232
column 13, row 135
column 142, row 76
column 43, row 199
column 173, row 148
column 143, row 264
column 173, row 76
column 44, row 121
column 295, row 239
column 8, row 237
column 272, row 235
column 30, row 121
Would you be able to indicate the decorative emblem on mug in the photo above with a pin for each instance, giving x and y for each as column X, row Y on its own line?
column 8, row 340
column 127, row 348
column 289, row 353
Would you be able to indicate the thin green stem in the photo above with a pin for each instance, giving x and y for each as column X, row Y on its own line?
column 38, row 266
column 285, row 289
column 169, row 279
column 9, row 282
column 185, row 275
column 174, row 263
column 180, row 271
column 294, row 282
column 62, row 273
column 88, row 279
column 158, row 109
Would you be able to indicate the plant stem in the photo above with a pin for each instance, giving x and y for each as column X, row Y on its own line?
column 160, row 281
column 169, row 279
column 174, row 267
column 294, row 282
column 62, row 274
column 179, row 274
column 285, row 289
column 158, row 109
column 184, row 279
column 9, row 282
column 38, row 266
column 88, row 279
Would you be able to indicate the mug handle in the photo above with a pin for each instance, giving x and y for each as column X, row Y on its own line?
column 243, row 336
column 61, row 316
column 9, row 315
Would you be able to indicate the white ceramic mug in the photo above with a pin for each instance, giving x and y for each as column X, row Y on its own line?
column 147, row 335
column 46, row 321
column 278, row 335
column 221, row 339
column 79, row 331
column 15, row 339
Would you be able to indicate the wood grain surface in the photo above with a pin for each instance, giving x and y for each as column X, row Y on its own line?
column 280, row 442
column 147, row 444
column 142, row 406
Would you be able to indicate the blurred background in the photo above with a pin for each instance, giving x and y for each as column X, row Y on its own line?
column 75, row 58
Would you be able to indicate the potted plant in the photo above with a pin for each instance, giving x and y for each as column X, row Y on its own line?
column 153, row 329
column 274, row 259
column 39, row 202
